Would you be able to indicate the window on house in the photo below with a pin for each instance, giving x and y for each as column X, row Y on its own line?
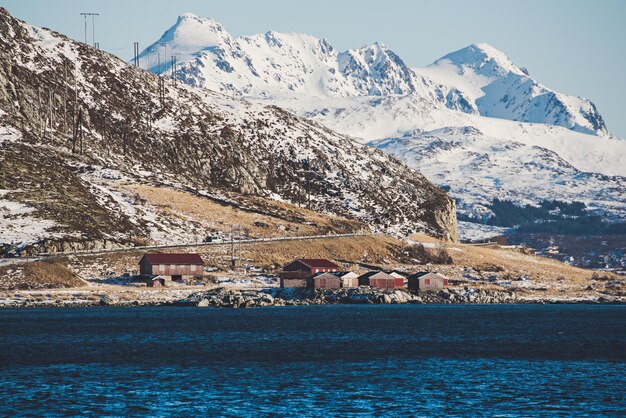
column 426, row 281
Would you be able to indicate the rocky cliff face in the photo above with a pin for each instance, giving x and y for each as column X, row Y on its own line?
column 144, row 127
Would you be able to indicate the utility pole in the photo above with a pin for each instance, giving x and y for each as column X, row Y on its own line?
column 165, row 58
column 173, row 59
column 50, row 115
column 232, row 249
column 93, row 29
column 136, row 53
column 65, row 97
column 41, row 124
column 93, row 26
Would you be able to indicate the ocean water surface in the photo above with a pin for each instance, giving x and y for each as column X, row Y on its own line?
column 392, row 360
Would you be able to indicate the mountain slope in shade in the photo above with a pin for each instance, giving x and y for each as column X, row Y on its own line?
column 176, row 136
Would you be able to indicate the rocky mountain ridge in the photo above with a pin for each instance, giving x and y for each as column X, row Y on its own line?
column 477, row 79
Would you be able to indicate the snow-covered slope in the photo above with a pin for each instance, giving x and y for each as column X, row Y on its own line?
column 473, row 120
column 509, row 170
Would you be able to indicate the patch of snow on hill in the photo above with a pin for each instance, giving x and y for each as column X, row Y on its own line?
column 19, row 225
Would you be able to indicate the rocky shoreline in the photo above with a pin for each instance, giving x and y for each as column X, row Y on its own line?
column 249, row 298
column 366, row 295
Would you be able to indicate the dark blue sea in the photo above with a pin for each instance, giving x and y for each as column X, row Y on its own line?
column 390, row 360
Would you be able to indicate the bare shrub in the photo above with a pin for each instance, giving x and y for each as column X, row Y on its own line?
column 424, row 255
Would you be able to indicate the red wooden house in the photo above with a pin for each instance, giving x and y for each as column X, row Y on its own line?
column 174, row 265
column 380, row 279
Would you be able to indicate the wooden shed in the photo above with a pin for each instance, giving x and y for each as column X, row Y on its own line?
column 156, row 281
column 348, row 278
column 174, row 265
column 325, row 281
column 334, row 280
column 424, row 280
column 380, row 279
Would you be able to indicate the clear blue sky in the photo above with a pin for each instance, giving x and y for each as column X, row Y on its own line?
column 576, row 47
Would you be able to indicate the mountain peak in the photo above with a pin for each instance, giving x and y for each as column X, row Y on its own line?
column 188, row 15
column 191, row 32
column 483, row 58
column 188, row 36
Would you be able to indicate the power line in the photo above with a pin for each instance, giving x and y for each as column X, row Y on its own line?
column 93, row 26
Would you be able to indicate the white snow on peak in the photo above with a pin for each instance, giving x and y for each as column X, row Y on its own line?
column 188, row 36
column 477, row 79
column 484, row 59
column 280, row 64
column 497, row 88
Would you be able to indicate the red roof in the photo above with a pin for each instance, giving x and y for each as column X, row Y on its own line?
column 182, row 258
column 318, row 263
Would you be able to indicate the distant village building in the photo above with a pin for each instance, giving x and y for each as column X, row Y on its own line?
column 380, row 279
column 334, row 280
column 425, row 280
column 299, row 272
column 174, row 265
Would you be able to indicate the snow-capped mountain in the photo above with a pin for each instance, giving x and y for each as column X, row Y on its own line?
column 472, row 121
column 136, row 129
column 495, row 87
column 278, row 64
column 477, row 79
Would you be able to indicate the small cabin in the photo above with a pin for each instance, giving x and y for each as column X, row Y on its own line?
column 380, row 279
column 325, row 281
column 335, row 280
column 175, row 265
column 424, row 281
